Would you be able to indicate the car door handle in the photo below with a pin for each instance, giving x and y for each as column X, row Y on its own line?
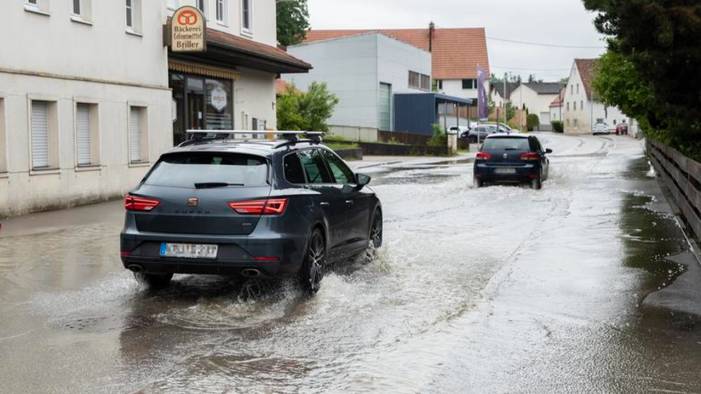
column 324, row 204
column 350, row 202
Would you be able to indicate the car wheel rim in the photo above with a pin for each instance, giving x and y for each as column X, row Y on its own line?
column 316, row 257
column 376, row 232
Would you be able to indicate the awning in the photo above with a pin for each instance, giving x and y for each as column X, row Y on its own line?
column 230, row 51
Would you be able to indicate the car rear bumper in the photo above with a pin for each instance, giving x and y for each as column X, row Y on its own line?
column 274, row 255
column 493, row 173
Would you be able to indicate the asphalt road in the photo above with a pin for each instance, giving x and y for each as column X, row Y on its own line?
column 500, row 289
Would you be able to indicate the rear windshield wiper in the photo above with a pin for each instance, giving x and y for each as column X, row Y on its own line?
column 214, row 185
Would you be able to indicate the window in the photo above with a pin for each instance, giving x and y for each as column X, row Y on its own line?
column 384, row 107
column 469, row 84
column 314, row 167
column 37, row 6
column 340, row 171
column 81, row 10
column 571, row 90
column 581, row 105
column 293, row 169
column 201, row 4
column 577, row 88
column 414, row 80
column 246, row 16
column 575, row 123
column 425, row 82
column 133, row 16
column 191, row 168
column 138, row 135
column 44, row 135
column 568, row 106
column 86, row 135
column 221, row 11
column 3, row 139
column 568, row 123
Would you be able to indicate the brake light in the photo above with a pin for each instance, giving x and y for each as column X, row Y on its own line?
column 140, row 204
column 530, row 156
column 483, row 156
column 273, row 206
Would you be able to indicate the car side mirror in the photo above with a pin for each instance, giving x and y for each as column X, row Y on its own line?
column 548, row 151
column 362, row 180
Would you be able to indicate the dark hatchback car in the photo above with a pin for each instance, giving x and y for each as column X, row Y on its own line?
column 251, row 208
column 512, row 158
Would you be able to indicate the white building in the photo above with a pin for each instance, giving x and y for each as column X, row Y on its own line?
column 582, row 109
column 364, row 71
column 90, row 95
column 536, row 97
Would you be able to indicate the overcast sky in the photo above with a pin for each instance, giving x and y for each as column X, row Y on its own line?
column 563, row 22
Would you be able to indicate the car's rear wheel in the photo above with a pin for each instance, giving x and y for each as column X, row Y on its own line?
column 314, row 261
column 153, row 281
column 537, row 183
column 376, row 230
column 478, row 183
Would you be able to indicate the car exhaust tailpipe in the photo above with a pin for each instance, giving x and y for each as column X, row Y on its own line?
column 135, row 268
column 250, row 273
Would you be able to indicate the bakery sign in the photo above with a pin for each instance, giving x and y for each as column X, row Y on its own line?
column 187, row 30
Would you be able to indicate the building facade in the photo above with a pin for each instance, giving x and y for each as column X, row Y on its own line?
column 457, row 53
column 90, row 95
column 364, row 71
column 581, row 108
column 536, row 97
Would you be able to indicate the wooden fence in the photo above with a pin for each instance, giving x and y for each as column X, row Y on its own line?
column 682, row 176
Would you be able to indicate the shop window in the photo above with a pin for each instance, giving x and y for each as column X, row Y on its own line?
column 3, row 139
column 138, row 135
column 133, row 16
column 44, row 135
column 247, row 16
column 87, row 136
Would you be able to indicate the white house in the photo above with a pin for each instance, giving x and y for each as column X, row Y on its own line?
column 499, row 96
column 90, row 95
column 364, row 71
column 536, row 97
column 557, row 111
column 582, row 109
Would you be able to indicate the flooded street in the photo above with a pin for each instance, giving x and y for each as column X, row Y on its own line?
column 498, row 289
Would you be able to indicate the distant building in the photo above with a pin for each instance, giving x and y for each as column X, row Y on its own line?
column 581, row 108
column 556, row 107
column 456, row 53
column 499, row 96
column 536, row 97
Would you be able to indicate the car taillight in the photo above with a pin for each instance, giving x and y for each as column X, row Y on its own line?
column 140, row 204
column 273, row 206
column 530, row 156
column 483, row 156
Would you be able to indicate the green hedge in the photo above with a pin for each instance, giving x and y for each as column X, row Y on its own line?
column 558, row 127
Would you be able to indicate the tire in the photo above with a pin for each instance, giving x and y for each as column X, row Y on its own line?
column 537, row 183
column 153, row 281
column 376, row 230
column 478, row 183
column 311, row 273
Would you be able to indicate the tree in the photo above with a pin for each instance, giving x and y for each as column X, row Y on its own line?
column 292, row 21
column 660, row 43
column 308, row 111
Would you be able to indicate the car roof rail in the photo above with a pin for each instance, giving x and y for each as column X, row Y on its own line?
column 292, row 137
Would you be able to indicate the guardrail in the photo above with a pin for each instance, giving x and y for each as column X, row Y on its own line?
column 682, row 177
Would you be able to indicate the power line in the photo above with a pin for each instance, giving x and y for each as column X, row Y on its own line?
column 542, row 44
column 530, row 69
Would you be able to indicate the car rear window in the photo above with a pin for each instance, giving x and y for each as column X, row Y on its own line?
column 502, row 144
column 188, row 169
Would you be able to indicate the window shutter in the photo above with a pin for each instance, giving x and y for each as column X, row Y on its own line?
column 40, row 134
column 83, row 135
column 134, row 135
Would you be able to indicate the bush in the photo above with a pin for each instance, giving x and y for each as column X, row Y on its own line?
column 440, row 138
column 305, row 111
column 558, row 127
column 532, row 122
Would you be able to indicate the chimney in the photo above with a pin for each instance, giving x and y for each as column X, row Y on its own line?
column 431, row 30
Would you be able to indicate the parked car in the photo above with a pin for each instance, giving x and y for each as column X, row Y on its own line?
column 257, row 209
column 480, row 132
column 513, row 158
column 601, row 128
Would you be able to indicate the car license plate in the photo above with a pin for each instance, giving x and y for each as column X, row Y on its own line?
column 189, row 251
column 505, row 171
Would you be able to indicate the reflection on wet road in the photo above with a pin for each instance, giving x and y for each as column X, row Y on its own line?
column 495, row 289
